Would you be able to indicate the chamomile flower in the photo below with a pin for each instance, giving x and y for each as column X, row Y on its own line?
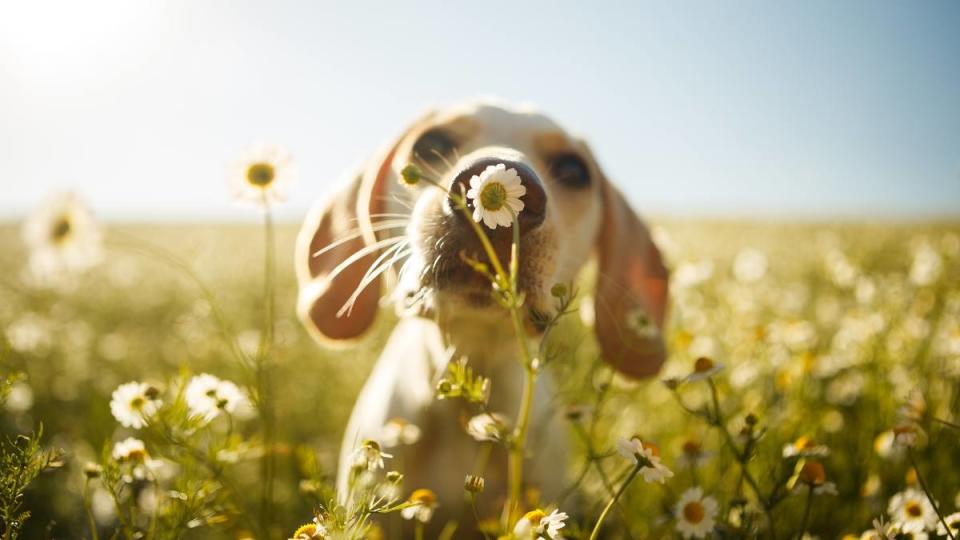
column 641, row 324
column 133, row 403
column 369, row 455
column 496, row 192
column 487, row 427
column 132, row 453
column 912, row 510
column 953, row 521
column 804, row 447
column 398, row 431
column 263, row 176
column 695, row 513
column 538, row 525
column 693, row 454
column 62, row 238
column 703, row 368
column 422, row 504
column 311, row 531
column 647, row 455
column 207, row 396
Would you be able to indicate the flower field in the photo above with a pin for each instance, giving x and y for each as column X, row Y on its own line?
column 813, row 388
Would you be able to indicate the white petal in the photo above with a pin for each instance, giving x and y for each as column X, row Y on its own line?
column 475, row 181
column 490, row 220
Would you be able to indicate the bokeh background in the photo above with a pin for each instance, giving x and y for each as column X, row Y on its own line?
column 800, row 164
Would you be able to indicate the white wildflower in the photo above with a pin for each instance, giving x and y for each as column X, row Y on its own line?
column 695, row 513
column 133, row 403
column 487, row 427
column 496, row 193
column 62, row 237
column 207, row 395
column 538, row 525
column 648, row 456
column 263, row 176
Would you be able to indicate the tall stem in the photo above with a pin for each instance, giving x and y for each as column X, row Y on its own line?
column 606, row 509
column 806, row 513
column 926, row 491
column 264, row 382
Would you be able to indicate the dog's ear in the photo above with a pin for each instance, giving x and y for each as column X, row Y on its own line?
column 631, row 293
column 335, row 230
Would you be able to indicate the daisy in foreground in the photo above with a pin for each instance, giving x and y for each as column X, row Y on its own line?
column 62, row 237
column 369, row 456
column 422, row 504
column 695, row 513
column 496, row 192
column 133, row 403
column 912, row 510
column 538, row 525
column 647, row 456
column 311, row 531
column 207, row 395
column 263, row 176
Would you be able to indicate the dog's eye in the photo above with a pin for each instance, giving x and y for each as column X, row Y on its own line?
column 570, row 170
column 434, row 146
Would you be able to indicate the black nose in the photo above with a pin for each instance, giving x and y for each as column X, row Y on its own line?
column 534, row 200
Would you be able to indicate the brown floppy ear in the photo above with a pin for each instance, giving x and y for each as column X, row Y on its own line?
column 345, row 215
column 631, row 294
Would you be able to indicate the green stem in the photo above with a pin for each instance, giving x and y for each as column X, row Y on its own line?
column 926, row 491
column 418, row 530
column 92, row 523
column 606, row 510
column 806, row 513
column 264, row 382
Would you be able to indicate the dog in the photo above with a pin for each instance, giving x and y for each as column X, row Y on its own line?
column 351, row 245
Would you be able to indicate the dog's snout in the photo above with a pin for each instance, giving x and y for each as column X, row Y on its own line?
column 534, row 199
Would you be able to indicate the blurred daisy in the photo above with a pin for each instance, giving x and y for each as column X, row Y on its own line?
column 912, row 510
column 647, row 455
column 263, row 176
column 207, row 395
column 884, row 445
column 487, row 427
column 133, row 452
column 495, row 193
column 311, row 531
column 133, row 403
column 703, row 368
column 422, row 504
column 953, row 521
column 812, row 475
column 398, row 431
column 692, row 454
column 369, row 455
column 907, row 435
column 804, row 447
column 62, row 237
column 750, row 265
column 695, row 513
column 538, row 525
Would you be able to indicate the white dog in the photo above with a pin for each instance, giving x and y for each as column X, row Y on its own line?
column 362, row 234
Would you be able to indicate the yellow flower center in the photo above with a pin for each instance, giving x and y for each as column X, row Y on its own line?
column 137, row 403
column 424, row 497
column 913, row 509
column 260, row 174
column 307, row 531
column 693, row 512
column 703, row 364
column 61, row 230
column 803, row 443
column 535, row 516
column 493, row 196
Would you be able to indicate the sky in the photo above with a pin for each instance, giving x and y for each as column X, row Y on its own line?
column 815, row 109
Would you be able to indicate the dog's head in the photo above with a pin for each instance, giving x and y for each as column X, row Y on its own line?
column 375, row 226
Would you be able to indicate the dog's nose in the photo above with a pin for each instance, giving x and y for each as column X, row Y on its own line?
column 534, row 200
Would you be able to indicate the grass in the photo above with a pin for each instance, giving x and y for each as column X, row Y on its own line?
column 805, row 352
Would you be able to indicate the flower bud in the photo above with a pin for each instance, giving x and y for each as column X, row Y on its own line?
column 473, row 484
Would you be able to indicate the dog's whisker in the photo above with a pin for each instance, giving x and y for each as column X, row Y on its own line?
column 426, row 165
column 356, row 233
column 373, row 273
column 361, row 253
column 442, row 157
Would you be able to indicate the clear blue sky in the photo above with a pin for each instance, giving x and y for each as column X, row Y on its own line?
column 817, row 108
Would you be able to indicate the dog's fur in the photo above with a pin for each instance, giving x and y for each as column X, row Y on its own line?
column 446, row 311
